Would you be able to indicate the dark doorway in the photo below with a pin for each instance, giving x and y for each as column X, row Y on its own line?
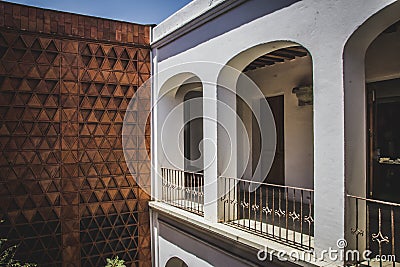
column 193, row 131
column 276, row 174
column 384, row 140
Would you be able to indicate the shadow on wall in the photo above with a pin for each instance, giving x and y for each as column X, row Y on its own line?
column 244, row 13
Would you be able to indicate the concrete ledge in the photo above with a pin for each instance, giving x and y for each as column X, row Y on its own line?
column 257, row 242
column 183, row 16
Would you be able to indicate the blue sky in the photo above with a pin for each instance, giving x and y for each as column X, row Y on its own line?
column 139, row 11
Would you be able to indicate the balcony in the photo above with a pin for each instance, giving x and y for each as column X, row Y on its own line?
column 373, row 227
column 183, row 189
column 281, row 213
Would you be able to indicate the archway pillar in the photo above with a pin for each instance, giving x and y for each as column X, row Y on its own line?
column 329, row 145
column 210, row 135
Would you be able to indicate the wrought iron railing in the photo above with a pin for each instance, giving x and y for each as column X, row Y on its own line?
column 279, row 212
column 183, row 189
column 373, row 228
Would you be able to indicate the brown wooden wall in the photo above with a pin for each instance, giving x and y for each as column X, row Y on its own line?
column 66, row 193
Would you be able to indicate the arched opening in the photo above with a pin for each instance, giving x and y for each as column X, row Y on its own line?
column 284, row 76
column 175, row 262
column 269, row 189
column 180, row 126
column 372, row 93
column 382, row 77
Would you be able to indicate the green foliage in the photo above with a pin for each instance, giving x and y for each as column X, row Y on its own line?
column 115, row 262
column 7, row 255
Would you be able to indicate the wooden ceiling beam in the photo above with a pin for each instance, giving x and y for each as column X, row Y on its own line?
column 267, row 62
column 295, row 52
column 277, row 56
column 283, row 54
column 271, row 58
column 261, row 64
column 248, row 68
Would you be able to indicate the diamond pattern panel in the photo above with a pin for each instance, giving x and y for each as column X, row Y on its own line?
column 112, row 205
column 66, row 192
column 30, row 127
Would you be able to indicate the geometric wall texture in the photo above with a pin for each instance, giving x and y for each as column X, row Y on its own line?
column 66, row 194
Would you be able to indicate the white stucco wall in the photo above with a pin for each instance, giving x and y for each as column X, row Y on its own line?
column 172, row 242
column 194, row 9
column 169, row 250
column 323, row 28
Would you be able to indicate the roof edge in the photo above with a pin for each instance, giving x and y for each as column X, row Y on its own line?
column 187, row 14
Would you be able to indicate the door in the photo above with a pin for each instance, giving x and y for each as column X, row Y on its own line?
column 276, row 174
column 193, row 131
column 384, row 140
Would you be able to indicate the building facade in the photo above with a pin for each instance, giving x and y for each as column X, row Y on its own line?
column 67, row 196
column 274, row 130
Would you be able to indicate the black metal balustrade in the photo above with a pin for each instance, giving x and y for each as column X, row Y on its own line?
column 183, row 189
column 282, row 213
column 373, row 228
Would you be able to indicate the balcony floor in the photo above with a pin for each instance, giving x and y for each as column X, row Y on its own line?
column 190, row 206
column 237, row 234
column 275, row 232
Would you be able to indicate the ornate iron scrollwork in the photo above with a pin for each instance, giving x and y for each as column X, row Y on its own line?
column 294, row 216
column 266, row 210
column 357, row 232
column 280, row 213
column 309, row 219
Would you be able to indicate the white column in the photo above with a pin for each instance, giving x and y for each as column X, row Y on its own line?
column 329, row 166
column 156, row 181
column 227, row 145
column 210, row 150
